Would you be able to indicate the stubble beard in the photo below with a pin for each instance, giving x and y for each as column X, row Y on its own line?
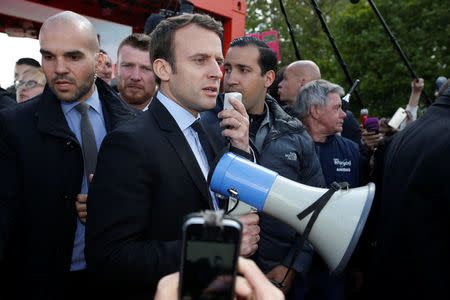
column 80, row 91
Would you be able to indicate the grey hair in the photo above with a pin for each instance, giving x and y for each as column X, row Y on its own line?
column 314, row 93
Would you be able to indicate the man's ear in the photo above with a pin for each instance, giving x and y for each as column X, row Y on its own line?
column 269, row 77
column 116, row 70
column 315, row 111
column 162, row 69
column 99, row 61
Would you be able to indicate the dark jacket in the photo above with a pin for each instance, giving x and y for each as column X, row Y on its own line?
column 41, row 169
column 149, row 179
column 411, row 258
column 339, row 158
column 289, row 150
column 6, row 99
column 352, row 131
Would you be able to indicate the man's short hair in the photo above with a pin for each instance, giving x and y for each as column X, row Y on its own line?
column 162, row 37
column 267, row 57
column 314, row 93
column 103, row 52
column 29, row 62
column 139, row 41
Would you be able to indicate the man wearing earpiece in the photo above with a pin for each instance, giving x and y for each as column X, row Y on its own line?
column 281, row 143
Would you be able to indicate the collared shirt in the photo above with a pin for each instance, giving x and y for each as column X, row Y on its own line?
column 184, row 120
column 146, row 107
column 73, row 118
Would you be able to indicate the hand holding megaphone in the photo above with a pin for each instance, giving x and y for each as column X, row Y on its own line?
column 336, row 230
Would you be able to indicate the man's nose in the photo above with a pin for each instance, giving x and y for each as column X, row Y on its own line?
column 60, row 66
column 136, row 74
column 216, row 72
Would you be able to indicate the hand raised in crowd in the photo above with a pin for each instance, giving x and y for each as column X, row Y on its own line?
column 385, row 128
column 371, row 139
column 250, row 234
column 417, row 85
column 236, row 123
column 81, row 204
column 250, row 285
column 409, row 117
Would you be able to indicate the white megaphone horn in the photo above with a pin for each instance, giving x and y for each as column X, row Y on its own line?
column 338, row 226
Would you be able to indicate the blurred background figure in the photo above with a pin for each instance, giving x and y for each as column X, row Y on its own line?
column 135, row 79
column 105, row 70
column 439, row 81
column 296, row 75
column 30, row 84
column 22, row 65
column 273, row 89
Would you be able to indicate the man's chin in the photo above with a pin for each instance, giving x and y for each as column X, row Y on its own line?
column 65, row 97
column 136, row 101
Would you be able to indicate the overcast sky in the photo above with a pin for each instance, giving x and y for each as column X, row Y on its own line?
column 11, row 50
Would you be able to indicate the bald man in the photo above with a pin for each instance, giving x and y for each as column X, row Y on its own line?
column 296, row 75
column 43, row 174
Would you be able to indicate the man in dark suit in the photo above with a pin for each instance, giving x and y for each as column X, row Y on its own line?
column 411, row 257
column 152, row 171
column 43, row 165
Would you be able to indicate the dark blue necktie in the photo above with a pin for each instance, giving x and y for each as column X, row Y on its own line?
column 198, row 127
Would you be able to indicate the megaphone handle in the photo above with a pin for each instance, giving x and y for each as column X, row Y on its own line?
column 316, row 207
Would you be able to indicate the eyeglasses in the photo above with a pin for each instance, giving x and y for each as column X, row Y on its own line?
column 25, row 84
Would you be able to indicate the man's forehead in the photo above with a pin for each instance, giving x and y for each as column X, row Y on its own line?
column 194, row 32
column 335, row 97
column 64, row 36
column 129, row 53
column 243, row 56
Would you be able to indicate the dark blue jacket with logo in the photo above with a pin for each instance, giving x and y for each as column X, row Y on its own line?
column 289, row 150
column 339, row 158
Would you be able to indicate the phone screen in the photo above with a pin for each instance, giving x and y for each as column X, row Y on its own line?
column 209, row 263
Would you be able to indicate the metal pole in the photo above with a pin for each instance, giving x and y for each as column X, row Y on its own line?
column 397, row 46
column 336, row 50
column 291, row 32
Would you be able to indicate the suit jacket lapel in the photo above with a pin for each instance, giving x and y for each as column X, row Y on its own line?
column 50, row 118
column 176, row 138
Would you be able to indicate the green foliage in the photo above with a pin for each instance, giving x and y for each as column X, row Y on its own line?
column 421, row 28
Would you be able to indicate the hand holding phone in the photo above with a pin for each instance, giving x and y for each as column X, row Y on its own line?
column 211, row 244
column 250, row 284
column 226, row 100
column 397, row 119
column 235, row 122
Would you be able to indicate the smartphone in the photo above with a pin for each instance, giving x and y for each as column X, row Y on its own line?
column 397, row 118
column 209, row 258
column 226, row 100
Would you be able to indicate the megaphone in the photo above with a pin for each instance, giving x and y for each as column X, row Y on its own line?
column 336, row 230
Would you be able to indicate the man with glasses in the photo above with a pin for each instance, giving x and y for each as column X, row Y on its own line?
column 30, row 84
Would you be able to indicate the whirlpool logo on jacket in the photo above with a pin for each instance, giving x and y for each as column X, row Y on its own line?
column 291, row 156
column 342, row 165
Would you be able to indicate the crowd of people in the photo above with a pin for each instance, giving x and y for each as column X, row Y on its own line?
column 98, row 170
